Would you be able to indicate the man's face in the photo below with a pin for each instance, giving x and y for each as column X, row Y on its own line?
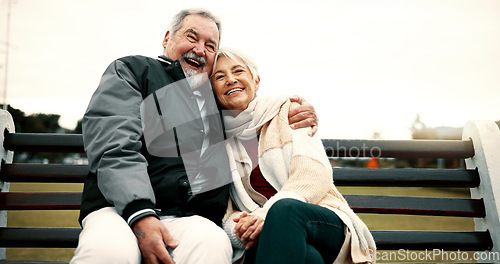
column 194, row 44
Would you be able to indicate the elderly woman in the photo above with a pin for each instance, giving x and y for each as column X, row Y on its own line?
column 282, row 193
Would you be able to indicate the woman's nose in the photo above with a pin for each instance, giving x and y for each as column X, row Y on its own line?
column 231, row 79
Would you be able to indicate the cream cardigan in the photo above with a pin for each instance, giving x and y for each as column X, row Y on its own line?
column 296, row 165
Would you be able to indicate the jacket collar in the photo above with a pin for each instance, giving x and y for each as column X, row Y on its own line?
column 165, row 59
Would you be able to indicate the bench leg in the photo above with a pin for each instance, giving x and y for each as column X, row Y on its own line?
column 6, row 124
column 485, row 137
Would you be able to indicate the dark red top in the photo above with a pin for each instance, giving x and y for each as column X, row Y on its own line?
column 257, row 181
column 260, row 184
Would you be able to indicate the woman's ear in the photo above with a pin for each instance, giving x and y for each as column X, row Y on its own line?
column 257, row 81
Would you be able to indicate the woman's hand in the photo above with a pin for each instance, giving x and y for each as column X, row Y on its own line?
column 303, row 116
column 248, row 228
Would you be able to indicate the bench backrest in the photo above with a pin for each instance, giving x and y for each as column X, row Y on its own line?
column 482, row 169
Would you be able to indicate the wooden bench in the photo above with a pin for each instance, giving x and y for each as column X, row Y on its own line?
column 480, row 147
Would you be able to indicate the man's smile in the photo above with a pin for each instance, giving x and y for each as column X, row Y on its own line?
column 194, row 61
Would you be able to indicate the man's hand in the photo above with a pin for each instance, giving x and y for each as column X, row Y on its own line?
column 154, row 238
column 303, row 116
column 248, row 228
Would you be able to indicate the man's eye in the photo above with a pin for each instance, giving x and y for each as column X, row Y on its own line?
column 211, row 48
column 191, row 37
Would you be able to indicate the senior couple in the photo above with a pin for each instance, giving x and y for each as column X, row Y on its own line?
column 273, row 196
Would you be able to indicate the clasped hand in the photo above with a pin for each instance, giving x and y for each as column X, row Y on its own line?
column 248, row 228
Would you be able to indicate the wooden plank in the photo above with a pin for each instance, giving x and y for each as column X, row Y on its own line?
column 359, row 203
column 43, row 237
column 386, row 240
column 416, row 205
column 453, row 149
column 40, row 201
column 44, row 142
column 30, row 262
column 420, row 240
column 24, row 172
column 58, row 142
column 408, row 177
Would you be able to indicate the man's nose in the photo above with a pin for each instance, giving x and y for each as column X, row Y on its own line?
column 199, row 49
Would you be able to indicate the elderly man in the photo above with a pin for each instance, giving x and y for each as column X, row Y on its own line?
column 142, row 202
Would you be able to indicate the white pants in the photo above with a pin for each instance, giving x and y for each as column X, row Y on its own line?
column 106, row 238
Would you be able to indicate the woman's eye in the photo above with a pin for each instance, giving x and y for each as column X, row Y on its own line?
column 219, row 77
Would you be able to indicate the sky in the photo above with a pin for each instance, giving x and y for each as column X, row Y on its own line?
column 366, row 66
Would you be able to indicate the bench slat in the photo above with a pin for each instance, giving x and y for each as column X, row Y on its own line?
column 39, row 237
column 386, row 240
column 416, row 205
column 456, row 149
column 44, row 142
column 40, row 201
column 359, row 203
column 54, row 142
column 406, row 177
column 24, row 172
column 420, row 240
column 342, row 176
column 29, row 262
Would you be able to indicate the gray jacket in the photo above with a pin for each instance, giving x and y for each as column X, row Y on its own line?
column 124, row 172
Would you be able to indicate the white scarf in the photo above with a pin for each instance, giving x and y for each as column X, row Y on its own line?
column 248, row 122
column 245, row 126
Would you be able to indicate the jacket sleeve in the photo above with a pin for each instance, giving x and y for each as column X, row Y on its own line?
column 112, row 133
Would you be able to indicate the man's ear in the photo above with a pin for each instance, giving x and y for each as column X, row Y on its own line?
column 165, row 39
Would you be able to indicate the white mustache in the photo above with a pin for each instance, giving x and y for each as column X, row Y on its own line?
column 193, row 56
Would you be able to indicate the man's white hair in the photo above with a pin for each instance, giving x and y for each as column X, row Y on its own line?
column 176, row 23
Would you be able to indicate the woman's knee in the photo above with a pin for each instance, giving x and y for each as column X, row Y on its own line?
column 285, row 208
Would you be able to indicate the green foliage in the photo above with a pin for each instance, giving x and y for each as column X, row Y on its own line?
column 39, row 123
column 35, row 123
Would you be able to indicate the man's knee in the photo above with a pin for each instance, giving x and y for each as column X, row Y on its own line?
column 215, row 238
column 108, row 251
column 203, row 240
column 106, row 238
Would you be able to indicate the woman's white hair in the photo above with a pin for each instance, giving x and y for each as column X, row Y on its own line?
column 240, row 56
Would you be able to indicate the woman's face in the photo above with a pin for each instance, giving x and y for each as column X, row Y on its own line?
column 233, row 84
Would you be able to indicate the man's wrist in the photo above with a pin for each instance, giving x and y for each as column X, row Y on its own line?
column 137, row 210
column 141, row 214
